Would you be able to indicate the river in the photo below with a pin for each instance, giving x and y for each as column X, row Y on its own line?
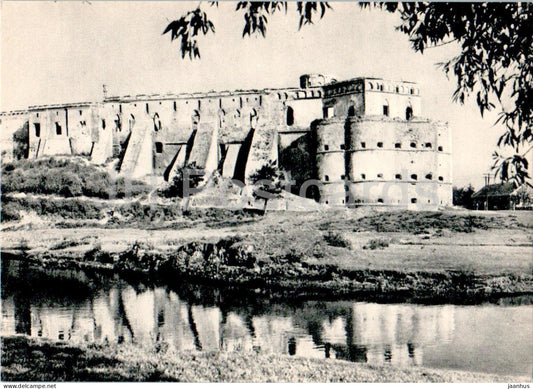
column 78, row 306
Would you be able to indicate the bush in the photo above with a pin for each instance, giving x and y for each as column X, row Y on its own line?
column 337, row 240
column 68, row 178
column 374, row 244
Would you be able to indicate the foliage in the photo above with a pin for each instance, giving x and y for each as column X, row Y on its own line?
column 188, row 27
column 21, row 142
column 189, row 174
column 336, row 240
column 463, row 196
column 68, row 178
column 495, row 63
column 374, row 244
column 269, row 181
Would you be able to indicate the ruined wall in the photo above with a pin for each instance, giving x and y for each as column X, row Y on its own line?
column 10, row 122
column 363, row 139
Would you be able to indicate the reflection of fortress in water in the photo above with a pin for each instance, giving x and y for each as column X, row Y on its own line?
column 362, row 332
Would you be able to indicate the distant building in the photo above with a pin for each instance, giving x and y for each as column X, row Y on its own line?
column 363, row 141
column 503, row 196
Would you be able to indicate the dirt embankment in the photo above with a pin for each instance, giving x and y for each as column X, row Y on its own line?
column 418, row 256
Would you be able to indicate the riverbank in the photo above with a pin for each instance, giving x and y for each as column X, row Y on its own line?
column 449, row 256
column 27, row 359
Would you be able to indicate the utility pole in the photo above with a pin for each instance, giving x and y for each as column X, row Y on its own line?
column 486, row 176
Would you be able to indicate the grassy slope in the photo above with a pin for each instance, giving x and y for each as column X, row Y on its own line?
column 483, row 243
column 25, row 359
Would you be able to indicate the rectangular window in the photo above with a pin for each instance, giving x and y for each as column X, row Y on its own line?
column 413, row 200
column 326, row 178
column 440, row 148
column 380, row 144
column 343, row 147
column 385, row 110
column 158, row 147
column 363, row 176
column 397, row 145
column 58, row 128
column 363, row 145
column 326, row 147
column 398, row 176
column 37, row 127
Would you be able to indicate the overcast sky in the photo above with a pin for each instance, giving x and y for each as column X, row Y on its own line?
column 65, row 51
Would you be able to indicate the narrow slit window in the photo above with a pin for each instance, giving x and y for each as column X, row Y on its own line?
column 147, row 108
column 385, row 110
column 58, row 129
column 37, row 127
column 326, row 178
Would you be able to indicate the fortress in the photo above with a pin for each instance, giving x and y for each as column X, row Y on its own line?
column 359, row 141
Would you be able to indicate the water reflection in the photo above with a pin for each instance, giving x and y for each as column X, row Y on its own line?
column 399, row 334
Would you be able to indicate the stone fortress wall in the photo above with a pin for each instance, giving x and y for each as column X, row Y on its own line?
column 365, row 139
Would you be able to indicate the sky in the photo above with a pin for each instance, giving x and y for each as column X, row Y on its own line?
column 64, row 51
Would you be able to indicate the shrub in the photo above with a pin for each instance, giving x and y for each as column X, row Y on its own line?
column 374, row 244
column 337, row 240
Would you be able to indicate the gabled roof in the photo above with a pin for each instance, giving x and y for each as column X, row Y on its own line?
column 495, row 190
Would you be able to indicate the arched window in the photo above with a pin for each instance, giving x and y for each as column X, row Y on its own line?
column 408, row 113
column 290, row 116
column 157, row 122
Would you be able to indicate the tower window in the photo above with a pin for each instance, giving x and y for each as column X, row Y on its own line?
column 380, row 200
column 58, row 129
column 398, row 176
column 290, row 116
column 428, row 145
column 414, row 176
column 441, row 178
column 408, row 113
column 440, row 148
column 413, row 145
column 175, row 106
column 385, row 110
column 158, row 147
column 81, row 112
column 363, row 176
column 37, row 127
column 326, row 178
column 380, row 175
column 326, row 147
column 429, row 176
column 413, row 200
column 363, row 145
column 343, row 147
column 397, row 145
column 103, row 124
column 343, row 177
column 147, row 108
column 380, row 144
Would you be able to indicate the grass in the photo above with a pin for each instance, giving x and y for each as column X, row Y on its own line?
column 67, row 177
column 26, row 359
